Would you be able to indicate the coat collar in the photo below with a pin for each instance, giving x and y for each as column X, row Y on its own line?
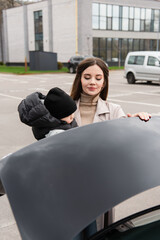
column 102, row 108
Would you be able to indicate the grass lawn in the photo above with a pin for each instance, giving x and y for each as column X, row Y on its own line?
column 21, row 70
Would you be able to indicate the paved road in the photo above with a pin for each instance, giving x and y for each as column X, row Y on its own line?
column 15, row 135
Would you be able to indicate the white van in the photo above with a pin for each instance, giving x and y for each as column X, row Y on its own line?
column 143, row 65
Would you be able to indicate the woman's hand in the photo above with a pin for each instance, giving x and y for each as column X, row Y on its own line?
column 142, row 115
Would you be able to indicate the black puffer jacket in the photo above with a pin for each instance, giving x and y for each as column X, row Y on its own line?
column 33, row 112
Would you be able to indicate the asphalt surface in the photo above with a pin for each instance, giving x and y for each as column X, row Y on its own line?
column 15, row 135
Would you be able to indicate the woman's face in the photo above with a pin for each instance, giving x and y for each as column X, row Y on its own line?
column 92, row 80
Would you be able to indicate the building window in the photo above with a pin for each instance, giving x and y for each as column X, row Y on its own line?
column 114, row 50
column 124, row 49
column 148, row 20
column 103, row 48
column 109, row 48
column 141, row 47
column 38, row 27
column 102, row 16
column 96, row 47
column 124, row 18
column 130, row 45
column 156, row 20
column 115, row 19
column 95, row 16
column 137, row 19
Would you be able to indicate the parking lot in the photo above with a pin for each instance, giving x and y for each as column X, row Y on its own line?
column 15, row 135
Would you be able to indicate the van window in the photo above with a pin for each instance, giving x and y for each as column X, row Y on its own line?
column 138, row 60
column 131, row 60
column 152, row 61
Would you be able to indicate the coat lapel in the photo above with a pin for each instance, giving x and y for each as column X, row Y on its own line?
column 77, row 114
column 102, row 112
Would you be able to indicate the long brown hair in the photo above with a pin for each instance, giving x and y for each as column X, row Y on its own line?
column 77, row 86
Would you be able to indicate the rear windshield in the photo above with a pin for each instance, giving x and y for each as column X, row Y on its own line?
column 138, row 60
column 78, row 58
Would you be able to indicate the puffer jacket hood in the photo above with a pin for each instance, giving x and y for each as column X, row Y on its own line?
column 33, row 113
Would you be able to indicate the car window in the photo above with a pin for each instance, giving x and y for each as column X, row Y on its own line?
column 152, row 61
column 131, row 59
column 142, row 225
column 139, row 60
column 78, row 59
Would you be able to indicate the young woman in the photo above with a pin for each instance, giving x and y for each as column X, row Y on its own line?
column 90, row 90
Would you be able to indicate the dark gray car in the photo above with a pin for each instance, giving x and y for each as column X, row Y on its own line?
column 59, row 185
column 73, row 63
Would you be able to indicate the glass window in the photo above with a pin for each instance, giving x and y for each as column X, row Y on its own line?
column 103, row 10
column 151, row 26
column 115, row 23
column 130, row 45
column 140, row 60
column 109, row 10
column 95, row 9
column 136, row 44
column 36, row 15
column 148, row 13
column 136, row 25
column 95, row 22
column 141, row 45
column 142, row 13
column 131, row 24
column 115, row 11
column 147, row 45
column 152, row 61
column 109, row 47
column 125, row 12
column 38, row 27
column 131, row 12
column 96, row 47
column 131, row 59
column 115, row 50
column 156, row 15
column 154, row 45
column 142, row 25
column 125, row 24
column 38, row 36
column 102, row 22
column 137, row 13
column 103, row 48
column 124, row 49
column 109, row 23
column 147, row 25
column 156, row 26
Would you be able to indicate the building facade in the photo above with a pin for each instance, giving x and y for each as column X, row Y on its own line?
column 108, row 29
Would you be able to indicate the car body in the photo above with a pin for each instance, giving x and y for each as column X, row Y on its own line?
column 143, row 66
column 60, row 185
column 73, row 63
column 75, row 60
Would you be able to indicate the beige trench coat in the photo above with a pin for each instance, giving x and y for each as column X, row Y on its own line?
column 105, row 111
